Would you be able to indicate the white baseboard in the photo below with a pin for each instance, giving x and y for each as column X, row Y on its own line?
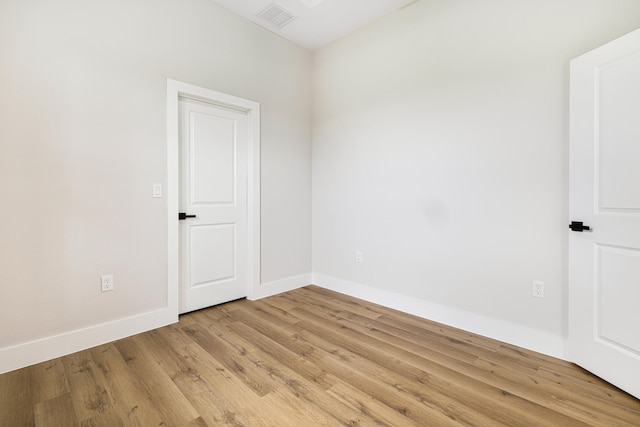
column 41, row 350
column 511, row 333
column 278, row 286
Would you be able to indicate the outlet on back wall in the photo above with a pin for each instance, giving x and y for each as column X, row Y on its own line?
column 537, row 289
column 107, row 282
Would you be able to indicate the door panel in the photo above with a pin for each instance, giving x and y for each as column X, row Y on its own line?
column 212, row 254
column 604, row 263
column 619, row 133
column 617, row 295
column 213, row 146
column 213, row 245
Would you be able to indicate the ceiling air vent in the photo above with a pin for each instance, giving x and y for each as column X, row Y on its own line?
column 276, row 15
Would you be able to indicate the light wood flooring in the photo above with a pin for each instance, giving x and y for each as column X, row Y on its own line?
column 304, row 358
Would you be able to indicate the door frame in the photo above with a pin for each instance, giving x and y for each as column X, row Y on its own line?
column 175, row 90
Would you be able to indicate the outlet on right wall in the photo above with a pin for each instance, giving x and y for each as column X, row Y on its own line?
column 440, row 152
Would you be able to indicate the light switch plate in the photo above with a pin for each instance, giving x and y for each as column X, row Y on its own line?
column 157, row 190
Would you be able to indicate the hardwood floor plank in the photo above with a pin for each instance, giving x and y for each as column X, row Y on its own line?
column 16, row 398
column 356, row 372
column 601, row 390
column 49, row 380
column 173, row 407
column 240, row 403
column 374, row 410
column 294, row 374
column 218, row 394
column 309, row 357
column 273, row 309
column 88, row 386
column 102, row 420
column 294, row 353
column 233, row 359
column 287, row 409
column 56, row 412
column 167, row 345
column 198, row 422
column 130, row 403
column 405, row 335
column 282, row 366
column 329, row 301
column 276, row 352
column 201, row 377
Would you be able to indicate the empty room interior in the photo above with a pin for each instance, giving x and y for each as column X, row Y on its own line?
column 390, row 217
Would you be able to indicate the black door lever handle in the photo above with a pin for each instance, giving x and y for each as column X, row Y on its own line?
column 579, row 226
column 182, row 216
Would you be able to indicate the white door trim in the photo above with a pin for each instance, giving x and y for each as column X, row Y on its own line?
column 175, row 90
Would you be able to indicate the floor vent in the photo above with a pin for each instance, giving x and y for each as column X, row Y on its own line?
column 276, row 15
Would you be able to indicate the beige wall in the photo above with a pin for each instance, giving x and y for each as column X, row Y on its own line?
column 440, row 151
column 82, row 129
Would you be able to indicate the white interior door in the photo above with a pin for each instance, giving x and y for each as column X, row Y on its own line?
column 213, row 189
column 604, row 262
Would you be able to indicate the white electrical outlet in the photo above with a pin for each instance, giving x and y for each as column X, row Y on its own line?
column 358, row 256
column 537, row 289
column 107, row 283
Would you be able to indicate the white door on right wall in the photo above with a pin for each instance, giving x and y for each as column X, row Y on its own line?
column 604, row 261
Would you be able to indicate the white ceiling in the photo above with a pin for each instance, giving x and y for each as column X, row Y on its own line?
column 317, row 22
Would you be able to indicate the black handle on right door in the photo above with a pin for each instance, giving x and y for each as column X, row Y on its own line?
column 579, row 226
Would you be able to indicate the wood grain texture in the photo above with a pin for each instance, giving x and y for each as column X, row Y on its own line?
column 304, row 358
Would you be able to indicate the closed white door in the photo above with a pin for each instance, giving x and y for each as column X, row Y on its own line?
column 213, row 201
column 604, row 261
